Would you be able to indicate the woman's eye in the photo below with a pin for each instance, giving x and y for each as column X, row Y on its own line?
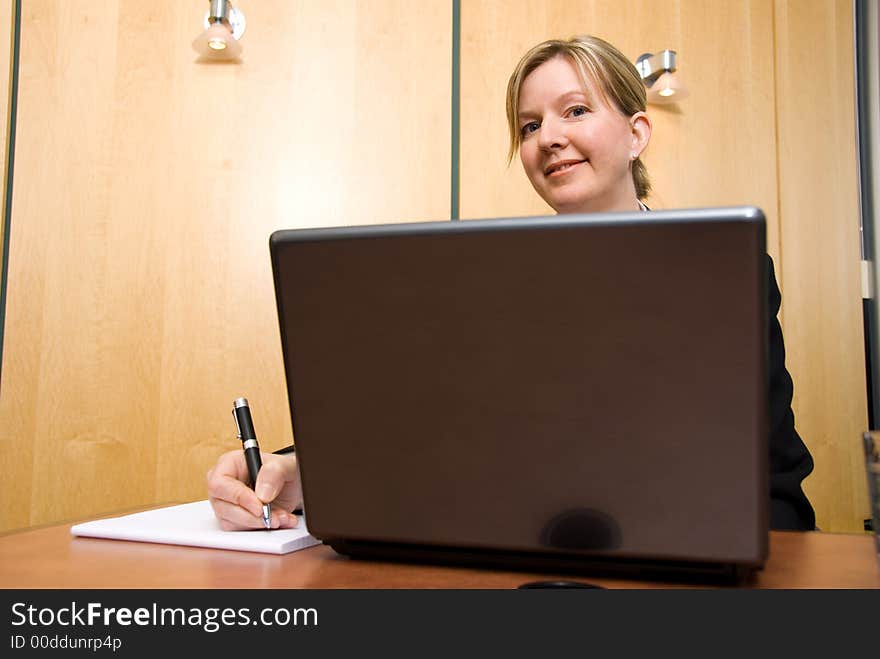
column 530, row 127
column 578, row 111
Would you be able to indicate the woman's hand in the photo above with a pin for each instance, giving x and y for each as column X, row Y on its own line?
column 238, row 507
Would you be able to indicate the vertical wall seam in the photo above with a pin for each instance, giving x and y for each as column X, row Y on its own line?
column 780, row 275
column 456, row 110
column 10, row 166
column 864, row 48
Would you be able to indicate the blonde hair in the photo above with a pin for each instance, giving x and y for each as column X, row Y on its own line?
column 594, row 59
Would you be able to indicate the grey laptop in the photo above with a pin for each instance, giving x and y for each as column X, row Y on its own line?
column 582, row 391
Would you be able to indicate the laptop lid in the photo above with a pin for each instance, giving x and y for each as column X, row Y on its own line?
column 586, row 385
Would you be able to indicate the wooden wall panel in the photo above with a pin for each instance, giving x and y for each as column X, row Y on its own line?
column 719, row 146
column 820, row 250
column 147, row 184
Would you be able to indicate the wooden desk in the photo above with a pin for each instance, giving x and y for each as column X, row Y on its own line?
column 51, row 558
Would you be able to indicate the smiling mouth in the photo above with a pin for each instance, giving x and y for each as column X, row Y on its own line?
column 562, row 167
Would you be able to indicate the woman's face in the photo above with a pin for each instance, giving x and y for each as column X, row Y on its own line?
column 576, row 149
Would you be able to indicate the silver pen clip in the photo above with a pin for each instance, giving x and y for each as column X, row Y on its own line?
column 237, row 427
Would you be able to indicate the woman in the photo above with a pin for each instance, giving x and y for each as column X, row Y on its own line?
column 576, row 114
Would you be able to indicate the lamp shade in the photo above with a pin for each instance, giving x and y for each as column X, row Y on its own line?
column 668, row 88
column 217, row 42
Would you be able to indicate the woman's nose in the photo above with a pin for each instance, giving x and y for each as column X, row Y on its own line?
column 552, row 135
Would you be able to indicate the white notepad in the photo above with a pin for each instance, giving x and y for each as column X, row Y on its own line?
column 194, row 524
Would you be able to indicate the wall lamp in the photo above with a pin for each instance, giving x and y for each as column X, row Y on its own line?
column 658, row 74
column 224, row 25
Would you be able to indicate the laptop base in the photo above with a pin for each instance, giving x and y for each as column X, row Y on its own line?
column 692, row 572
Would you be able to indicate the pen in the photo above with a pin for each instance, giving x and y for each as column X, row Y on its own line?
column 241, row 412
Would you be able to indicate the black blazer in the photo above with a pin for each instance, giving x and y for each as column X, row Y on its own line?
column 790, row 461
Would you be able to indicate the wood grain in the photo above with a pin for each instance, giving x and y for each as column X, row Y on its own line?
column 822, row 304
column 147, row 184
column 50, row 558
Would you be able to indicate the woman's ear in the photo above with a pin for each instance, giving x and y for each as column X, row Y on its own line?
column 640, row 124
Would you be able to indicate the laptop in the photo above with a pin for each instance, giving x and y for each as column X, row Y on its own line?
column 583, row 392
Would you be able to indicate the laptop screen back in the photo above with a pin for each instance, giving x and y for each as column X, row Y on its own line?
column 592, row 385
